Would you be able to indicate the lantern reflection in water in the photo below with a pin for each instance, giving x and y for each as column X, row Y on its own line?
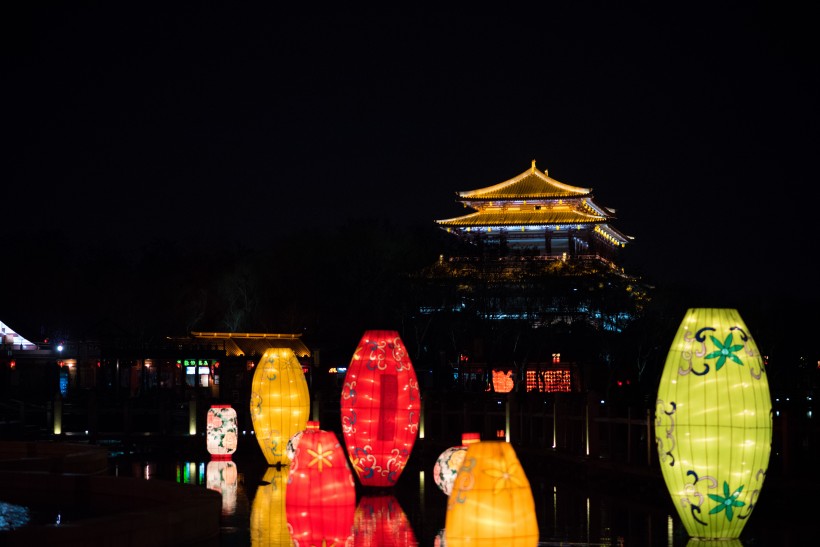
column 321, row 493
column 380, row 407
column 280, row 402
column 222, row 476
column 380, row 522
column 491, row 503
column 713, row 423
column 268, row 523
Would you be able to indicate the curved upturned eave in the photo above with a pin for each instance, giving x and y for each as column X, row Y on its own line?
column 531, row 184
column 522, row 218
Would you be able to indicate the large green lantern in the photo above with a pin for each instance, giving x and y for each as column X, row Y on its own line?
column 713, row 423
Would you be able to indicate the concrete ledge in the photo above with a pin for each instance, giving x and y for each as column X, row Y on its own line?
column 124, row 511
column 53, row 457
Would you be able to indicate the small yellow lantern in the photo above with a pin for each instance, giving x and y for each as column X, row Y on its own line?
column 713, row 423
column 491, row 502
column 280, row 403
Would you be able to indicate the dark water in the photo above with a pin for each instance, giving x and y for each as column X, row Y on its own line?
column 571, row 508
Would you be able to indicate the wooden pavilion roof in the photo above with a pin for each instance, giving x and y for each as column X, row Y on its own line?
column 532, row 184
column 238, row 344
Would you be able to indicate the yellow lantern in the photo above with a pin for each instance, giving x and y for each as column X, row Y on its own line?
column 268, row 520
column 491, row 502
column 280, row 403
column 713, row 423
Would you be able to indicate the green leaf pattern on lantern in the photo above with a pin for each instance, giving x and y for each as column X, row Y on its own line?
column 725, row 351
column 726, row 501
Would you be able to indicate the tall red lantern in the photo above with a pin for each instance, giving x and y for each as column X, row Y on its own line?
column 380, row 522
column 380, row 410
column 320, row 498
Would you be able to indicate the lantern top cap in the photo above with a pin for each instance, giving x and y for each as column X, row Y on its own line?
column 220, row 406
column 469, row 438
column 312, row 424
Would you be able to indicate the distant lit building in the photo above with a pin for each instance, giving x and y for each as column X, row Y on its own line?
column 534, row 215
column 537, row 252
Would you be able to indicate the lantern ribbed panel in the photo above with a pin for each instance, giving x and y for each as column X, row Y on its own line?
column 381, row 522
column 321, row 493
column 380, row 407
column 280, row 402
column 491, row 504
column 268, row 524
column 713, row 423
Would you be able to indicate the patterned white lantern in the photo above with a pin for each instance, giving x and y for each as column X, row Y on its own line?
column 221, row 431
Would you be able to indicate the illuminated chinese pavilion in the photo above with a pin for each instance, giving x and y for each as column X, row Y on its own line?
column 537, row 250
column 533, row 214
column 533, row 255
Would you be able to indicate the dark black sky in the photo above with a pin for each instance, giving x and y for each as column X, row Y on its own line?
column 192, row 121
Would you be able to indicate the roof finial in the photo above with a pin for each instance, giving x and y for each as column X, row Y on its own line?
column 533, row 166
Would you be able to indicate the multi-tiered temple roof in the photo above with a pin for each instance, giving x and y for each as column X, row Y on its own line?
column 534, row 214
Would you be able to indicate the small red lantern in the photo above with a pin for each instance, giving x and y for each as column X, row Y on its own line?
column 320, row 499
column 380, row 410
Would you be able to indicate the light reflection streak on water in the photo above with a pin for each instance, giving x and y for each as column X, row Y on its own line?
column 567, row 520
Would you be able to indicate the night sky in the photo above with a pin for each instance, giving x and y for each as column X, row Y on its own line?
column 191, row 121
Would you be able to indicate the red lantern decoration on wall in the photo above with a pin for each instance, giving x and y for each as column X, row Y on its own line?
column 380, row 410
column 320, row 499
